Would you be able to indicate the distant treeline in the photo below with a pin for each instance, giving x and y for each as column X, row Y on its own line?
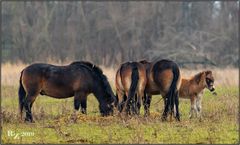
column 109, row 33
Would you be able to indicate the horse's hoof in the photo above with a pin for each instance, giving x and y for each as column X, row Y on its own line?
column 177, row 119
column 29, row 121
column 84, row 112
column 146, row 114
column 190, row 116
column 164, row 118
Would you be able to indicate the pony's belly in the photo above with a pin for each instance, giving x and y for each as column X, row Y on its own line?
column 57, row 92
column 152, row 89
column 184, row 97
column 59, row 95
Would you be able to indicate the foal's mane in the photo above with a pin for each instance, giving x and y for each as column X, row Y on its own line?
column 197, row 77
column 97, row 71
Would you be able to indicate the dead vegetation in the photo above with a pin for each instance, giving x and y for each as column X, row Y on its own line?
column 223, row 77
column 56, row 121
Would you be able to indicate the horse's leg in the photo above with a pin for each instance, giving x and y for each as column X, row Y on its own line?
column 145, row 105
column 199, row 106
column 126, row 105
column 83, row 101
column 80, row 99
column 138, row 103
column 77, row 101
column 176, row 105
column 172, row 108
column 134, row 104
column 28, row 106
column 193, row 106
column 147, row 101
column 166, row 108
column 121, row 101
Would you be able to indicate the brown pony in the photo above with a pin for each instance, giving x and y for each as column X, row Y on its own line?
column 163, row 77
column 77, row 79
column 193, row 89
column 130, row 83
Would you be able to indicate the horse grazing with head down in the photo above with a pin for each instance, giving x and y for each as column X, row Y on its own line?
column 163, row 77
column 193, row 89
column 77, row 79
column 130, row 83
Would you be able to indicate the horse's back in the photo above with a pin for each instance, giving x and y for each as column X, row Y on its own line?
column 55, row 81
column 41, row 71
column 124, row 75
column 161, row 75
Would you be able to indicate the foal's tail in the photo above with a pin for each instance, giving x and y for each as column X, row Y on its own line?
column 21, row 95
column 173, row 88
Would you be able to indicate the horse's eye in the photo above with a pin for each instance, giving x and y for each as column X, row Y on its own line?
column 208, row 80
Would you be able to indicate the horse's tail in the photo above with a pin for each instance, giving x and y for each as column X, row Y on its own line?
column 21, row 95
column 116, row 100
column 134, row 80
column 171, row 94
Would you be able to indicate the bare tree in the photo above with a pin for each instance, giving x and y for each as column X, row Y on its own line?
column 109, row 33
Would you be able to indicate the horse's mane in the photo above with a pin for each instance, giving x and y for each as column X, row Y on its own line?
column 80, row 63
column 144, row 61
column 125, row 63
column 97, row 71
column 197, row 77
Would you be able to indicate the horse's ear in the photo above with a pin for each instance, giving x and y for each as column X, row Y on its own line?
column 199, row 77
column 208, row 72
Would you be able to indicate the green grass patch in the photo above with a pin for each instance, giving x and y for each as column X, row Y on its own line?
column 55, row 122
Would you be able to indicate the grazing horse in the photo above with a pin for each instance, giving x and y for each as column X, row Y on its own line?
column 77, row 79
column 193, row 89
column 130, row 83
column 163, row 77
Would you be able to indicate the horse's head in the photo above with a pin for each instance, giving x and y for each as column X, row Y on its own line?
column 106, row 110
column 209, row 80
column 206, row 79
column 106, row 107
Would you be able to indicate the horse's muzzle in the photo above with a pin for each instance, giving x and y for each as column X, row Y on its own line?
column 212, row 89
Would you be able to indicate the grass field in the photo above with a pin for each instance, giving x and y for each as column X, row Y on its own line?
column 56, row 122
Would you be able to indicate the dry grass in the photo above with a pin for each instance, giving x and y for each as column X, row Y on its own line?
column 57, row 123
column 227, row 77
column 10, row 73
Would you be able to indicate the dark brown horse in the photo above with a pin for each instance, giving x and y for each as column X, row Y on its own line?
column 77, row 79
column 130, row 83
column 163, row 77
